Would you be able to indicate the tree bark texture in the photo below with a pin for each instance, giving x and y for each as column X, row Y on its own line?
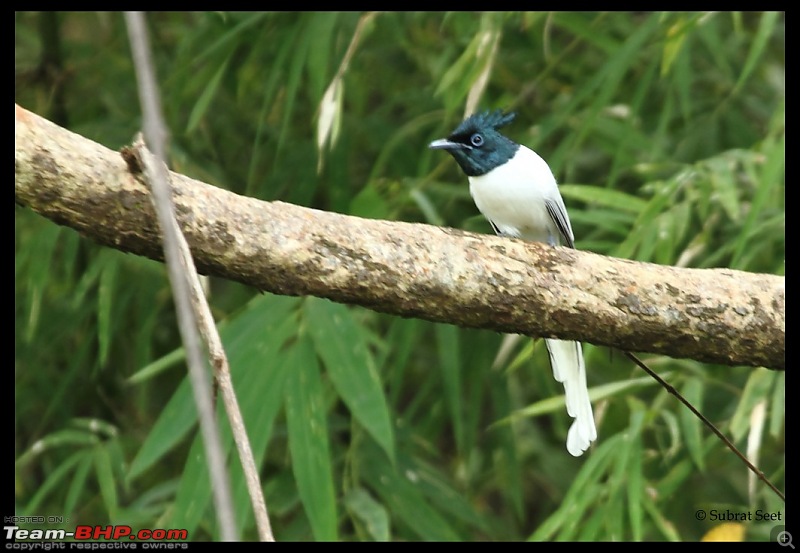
column 408, row 269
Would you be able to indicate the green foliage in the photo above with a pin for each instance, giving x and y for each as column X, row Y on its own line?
column 667, row 131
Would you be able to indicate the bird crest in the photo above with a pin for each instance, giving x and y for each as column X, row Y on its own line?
column 484, row 120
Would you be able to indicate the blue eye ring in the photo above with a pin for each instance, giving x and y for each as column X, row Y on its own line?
column 476, row 140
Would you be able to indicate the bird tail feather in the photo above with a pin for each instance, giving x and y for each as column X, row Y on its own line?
column 566, row 359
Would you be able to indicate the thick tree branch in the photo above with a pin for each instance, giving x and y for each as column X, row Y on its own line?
column 440, row 274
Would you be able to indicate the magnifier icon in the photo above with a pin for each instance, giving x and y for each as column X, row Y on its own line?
column 784, row 538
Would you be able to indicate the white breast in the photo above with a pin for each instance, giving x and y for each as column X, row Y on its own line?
column 513, row 195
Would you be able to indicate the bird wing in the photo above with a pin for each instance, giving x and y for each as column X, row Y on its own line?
column 558, row 213
column 566, row 359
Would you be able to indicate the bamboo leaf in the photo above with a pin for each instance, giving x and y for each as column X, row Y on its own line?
column 756, row 389
column 777, row 406
column 341, row 344
column 766, row 26
column 105, row 478
column 204, row 101
column 308, row 440
column 690, row 424
column 254, row 341
column 247, row 338
column 599, row 196
column 399, row 489
column 597, row 393
column 450, row 365
column 370, row 512
column 78, row 485
column 58, row 475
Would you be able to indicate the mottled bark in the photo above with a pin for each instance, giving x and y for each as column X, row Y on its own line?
column 413, row 270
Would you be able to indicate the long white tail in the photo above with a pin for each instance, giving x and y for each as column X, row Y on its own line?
column 566, row 358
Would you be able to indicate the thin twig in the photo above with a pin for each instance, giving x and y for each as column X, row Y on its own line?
column 219, row 361
column 179, row 265
column 667, row 386
column 205, row 321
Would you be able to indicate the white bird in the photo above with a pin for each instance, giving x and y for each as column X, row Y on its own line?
column 516, row 191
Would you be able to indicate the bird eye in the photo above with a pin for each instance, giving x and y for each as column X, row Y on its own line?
column 476, row 140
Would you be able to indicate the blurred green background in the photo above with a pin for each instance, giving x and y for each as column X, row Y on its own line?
column 667, row 134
